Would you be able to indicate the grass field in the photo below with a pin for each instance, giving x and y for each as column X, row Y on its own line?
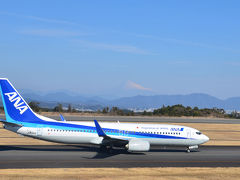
column 122, row 173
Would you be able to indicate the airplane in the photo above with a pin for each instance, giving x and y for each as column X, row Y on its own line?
column 134, row 137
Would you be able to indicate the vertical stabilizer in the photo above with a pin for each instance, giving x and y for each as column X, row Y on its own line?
column 16, row 109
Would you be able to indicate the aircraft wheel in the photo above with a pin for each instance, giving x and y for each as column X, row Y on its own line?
column 107, row 149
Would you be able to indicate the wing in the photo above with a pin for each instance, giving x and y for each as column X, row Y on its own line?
column 107, row 140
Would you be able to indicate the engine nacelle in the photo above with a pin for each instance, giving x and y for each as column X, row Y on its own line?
column 138, row 145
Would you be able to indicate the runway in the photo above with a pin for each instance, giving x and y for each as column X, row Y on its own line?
column 67, row 156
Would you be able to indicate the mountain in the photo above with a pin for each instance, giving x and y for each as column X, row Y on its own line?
column 50, row 100
column 199, row 100
column 232, row 103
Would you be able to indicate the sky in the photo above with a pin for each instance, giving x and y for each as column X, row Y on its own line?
column 122, row 48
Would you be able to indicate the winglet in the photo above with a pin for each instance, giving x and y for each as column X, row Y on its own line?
column 99, row 129
column 62, row 118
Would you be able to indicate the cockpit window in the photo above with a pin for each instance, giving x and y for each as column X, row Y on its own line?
column 198, row 133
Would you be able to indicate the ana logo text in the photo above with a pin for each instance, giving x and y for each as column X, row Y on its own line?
column 176, row 129
column 12, row 96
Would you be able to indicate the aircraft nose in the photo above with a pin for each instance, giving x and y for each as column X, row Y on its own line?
column 205, row 138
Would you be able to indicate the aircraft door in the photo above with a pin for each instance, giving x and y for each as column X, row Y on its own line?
column 39, row 131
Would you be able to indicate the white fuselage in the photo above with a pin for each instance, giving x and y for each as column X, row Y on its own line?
column 155, row 134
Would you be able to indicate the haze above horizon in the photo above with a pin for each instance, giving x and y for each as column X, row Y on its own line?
column 122, row 48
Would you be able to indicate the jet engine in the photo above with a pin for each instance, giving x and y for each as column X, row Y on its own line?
column 138, row 145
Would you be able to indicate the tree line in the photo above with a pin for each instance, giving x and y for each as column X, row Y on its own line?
column 175, row 110
column 59, row 108
column 180, row 110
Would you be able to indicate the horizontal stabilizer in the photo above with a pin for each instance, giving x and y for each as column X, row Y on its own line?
column 10, row 123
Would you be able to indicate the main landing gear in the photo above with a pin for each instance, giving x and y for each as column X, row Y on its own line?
column 107, row 149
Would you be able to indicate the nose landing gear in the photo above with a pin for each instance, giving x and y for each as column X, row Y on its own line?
column 189, row 148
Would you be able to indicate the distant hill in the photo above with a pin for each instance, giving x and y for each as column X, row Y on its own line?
column 199, row 100
column 136, row 102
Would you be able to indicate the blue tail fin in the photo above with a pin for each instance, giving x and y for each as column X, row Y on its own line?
column 16, row 109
